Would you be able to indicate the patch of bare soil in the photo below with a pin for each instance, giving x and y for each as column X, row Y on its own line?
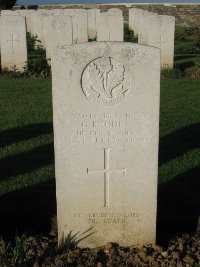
column 42, row 251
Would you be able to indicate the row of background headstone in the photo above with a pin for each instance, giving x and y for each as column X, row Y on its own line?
column 54, row 28
column 60, row 27
column 154, row 30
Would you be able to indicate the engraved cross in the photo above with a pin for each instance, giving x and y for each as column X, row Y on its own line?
column 106, row 171
column 13, row 40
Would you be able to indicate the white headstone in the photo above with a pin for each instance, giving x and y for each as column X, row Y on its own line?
column 144, row 30
column 92, row 22
column 57, row 32
column 106, row 125
column 13, row 42
column 110, row 27
column 153, row 30
column 135, row 15
column 57, row 12
column 80, row 24
column 28, row 15
column 115, row 12
column 37, row 21
column 8, row 13
column 166, row 40
column 131, row 13
column 22, row 12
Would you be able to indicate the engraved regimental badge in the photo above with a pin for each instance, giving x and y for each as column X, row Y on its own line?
column 105, row 81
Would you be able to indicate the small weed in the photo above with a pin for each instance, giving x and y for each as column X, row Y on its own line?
column 92, row 39
column 129, row 34
column 12, row 72
column 13, row 255
column 19, row 250
column 37, row 64
column 6, row 247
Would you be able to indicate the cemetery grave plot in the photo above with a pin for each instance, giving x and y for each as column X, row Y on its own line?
column 187, row 51
column 107, row 109
column 28, row 147
column 28, row 188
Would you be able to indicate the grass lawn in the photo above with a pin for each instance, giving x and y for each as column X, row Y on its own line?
column 187, row 47
column 27, row 180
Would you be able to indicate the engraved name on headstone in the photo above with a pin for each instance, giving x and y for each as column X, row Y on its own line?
column 106, row 125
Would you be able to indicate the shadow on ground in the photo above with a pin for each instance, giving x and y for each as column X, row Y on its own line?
column 188, row 61
column 179, row 142
column 179, row 198
column 30, row 210
column 26, row 161
column 26, row 132
column 178, row 204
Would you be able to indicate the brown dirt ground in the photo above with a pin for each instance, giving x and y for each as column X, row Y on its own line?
column 42, row 251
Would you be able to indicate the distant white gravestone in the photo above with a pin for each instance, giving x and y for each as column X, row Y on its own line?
column 37, row 18
column 13, row 42
column 147, row 28
column 161, row 31
column 57, row 32
column 135, row 16
column 92, row 22
column 106, row 124
column 110, row 27
column 115, row 11
column 21, row 12
column 166, row 40
column 79, row 24
column 155, row 30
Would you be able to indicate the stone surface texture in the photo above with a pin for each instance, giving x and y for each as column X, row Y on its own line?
column 167, row 33
column 57, row 32
column 92, row 22
column 28, row 15
column 155, row 30
column 147, row 28
column 106, row 127
column 37, row 24
column 80, row 24
column 22, row 12
column 110, row 27
column 115, row 12
column 134, row 19
column 13, row 42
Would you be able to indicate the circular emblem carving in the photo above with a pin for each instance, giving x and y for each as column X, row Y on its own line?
column 105, row 81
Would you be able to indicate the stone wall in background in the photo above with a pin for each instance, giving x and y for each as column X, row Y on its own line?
column 186, row 14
